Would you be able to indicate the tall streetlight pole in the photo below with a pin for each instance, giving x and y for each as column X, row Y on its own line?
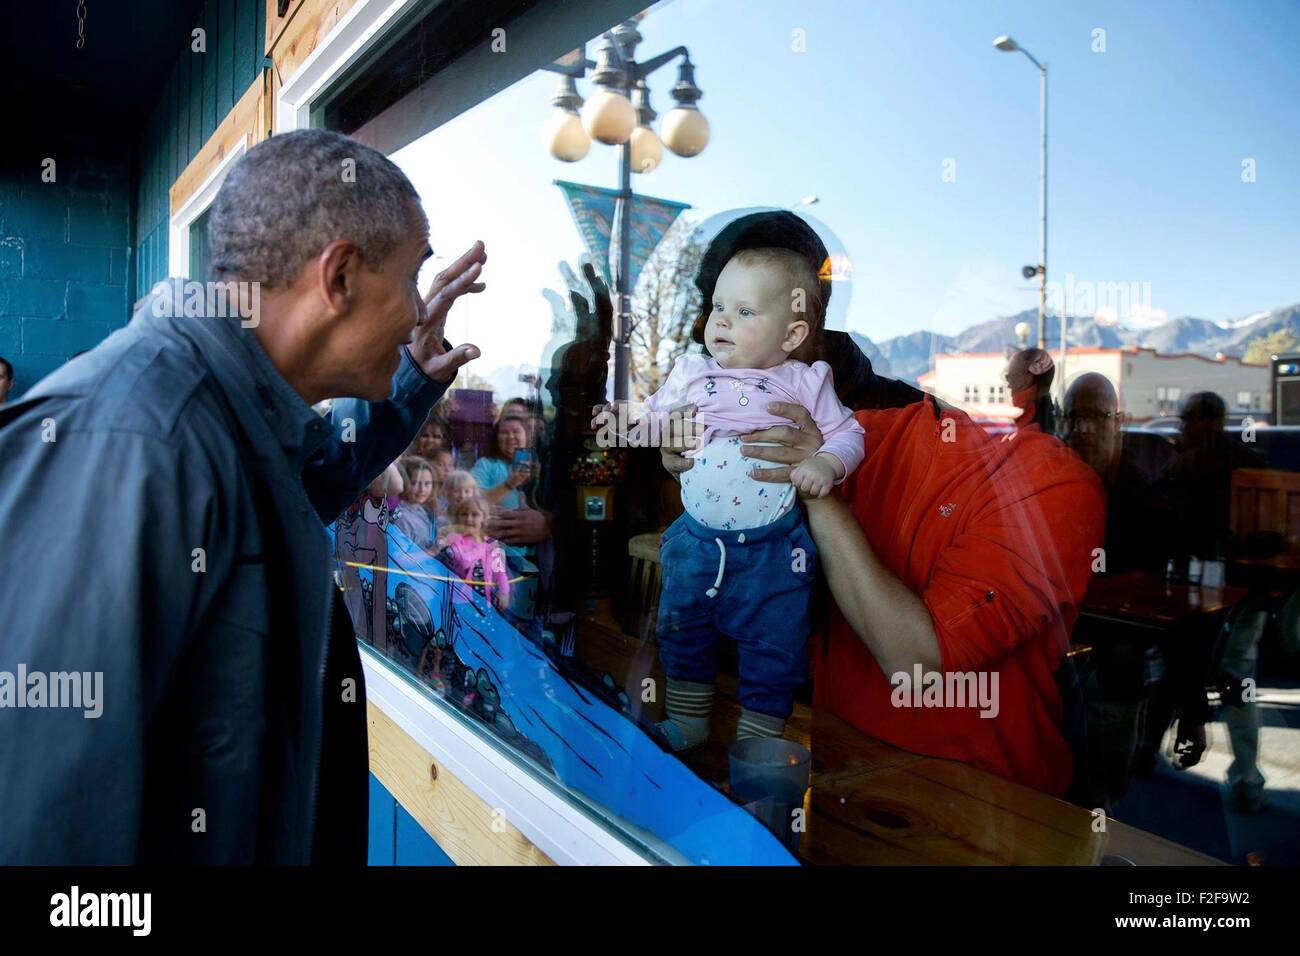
column 1008, row 45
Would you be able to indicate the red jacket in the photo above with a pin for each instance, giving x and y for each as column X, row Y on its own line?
column 997, row 538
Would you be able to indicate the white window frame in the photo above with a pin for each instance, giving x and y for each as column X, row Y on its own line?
column 541, row 812
column 178, row 228
column 364, row 25
column 553, row 823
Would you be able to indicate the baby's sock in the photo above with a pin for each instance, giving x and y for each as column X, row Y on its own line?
column 754, row 724
column 689, row 707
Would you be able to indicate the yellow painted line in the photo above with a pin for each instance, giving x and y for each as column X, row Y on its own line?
column 431, row 577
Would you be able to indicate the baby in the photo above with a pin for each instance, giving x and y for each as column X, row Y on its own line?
column 740, row 562
column 470, row 553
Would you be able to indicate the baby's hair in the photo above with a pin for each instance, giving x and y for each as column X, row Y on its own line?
column 800, row 274
column 473, row 503
column 457, row 480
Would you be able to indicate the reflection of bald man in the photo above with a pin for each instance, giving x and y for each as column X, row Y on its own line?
column 1092, row 424
column 1115, row 690
column 1029, row 374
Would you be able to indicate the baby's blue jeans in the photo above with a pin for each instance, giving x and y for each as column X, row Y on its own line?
column 751, row 586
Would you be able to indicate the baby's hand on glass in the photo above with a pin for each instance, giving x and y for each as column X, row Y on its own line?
column 814, row 477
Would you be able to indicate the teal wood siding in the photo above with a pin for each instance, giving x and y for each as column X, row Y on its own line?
column 201, row 90
column 64, row 251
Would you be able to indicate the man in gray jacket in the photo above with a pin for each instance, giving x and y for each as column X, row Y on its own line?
column 176, row 683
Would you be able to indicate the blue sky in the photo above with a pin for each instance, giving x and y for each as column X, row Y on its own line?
column 1147, row 141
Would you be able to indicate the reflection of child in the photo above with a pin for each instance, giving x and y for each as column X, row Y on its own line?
column 419, row 507
column 458, row 486
column 469, row 553
column 740, row 561
column 443, row 464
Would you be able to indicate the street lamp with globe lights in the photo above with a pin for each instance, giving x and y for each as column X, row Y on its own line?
column 619, row 114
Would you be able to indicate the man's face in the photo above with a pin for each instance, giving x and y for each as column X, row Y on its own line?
column 6, row 383
column 387, row 305
column 1093, row 427
column 751, row 316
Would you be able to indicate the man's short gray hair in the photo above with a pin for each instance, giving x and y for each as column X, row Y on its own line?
column 294, row 194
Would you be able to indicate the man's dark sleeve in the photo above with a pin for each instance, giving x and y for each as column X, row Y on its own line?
column 367, row 437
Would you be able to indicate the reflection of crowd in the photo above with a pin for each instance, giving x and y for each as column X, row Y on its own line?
column 476, row 508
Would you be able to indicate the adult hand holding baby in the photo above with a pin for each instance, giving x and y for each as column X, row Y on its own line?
column 792, row 448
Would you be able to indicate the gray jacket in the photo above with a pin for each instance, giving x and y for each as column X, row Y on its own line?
column 161, row 503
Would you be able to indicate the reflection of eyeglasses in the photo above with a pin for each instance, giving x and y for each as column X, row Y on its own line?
column 1094, row 418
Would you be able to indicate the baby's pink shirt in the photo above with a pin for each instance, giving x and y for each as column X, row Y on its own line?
column 733, row 401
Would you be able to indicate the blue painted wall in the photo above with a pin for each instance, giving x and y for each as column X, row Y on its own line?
column 396, row 839
column 76, row 253
column 65, row 250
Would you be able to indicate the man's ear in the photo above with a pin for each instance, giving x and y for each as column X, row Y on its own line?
column 795, row 335
column 336, row 275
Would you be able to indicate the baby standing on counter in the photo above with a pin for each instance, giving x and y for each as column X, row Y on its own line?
column 740, row 562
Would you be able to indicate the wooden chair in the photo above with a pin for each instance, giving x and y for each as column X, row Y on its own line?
column 1265, row 499
column 645, row 577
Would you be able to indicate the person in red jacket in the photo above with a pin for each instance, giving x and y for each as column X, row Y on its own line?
column 949, row 553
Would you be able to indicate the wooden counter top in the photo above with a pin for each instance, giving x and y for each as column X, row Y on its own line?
column 874, row 803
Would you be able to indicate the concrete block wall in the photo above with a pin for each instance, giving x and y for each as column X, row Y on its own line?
column 65, row 264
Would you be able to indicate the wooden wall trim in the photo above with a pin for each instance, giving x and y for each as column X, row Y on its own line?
column 301, row 32
column 467, row 829
column 246, row 122
column 275, row 23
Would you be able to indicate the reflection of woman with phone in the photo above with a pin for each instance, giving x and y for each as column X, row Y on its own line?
column 509, row 465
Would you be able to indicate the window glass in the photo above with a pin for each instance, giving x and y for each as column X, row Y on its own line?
column 531, row 571
column 200, row 257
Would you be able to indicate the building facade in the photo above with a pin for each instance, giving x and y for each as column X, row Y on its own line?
column 1150, row 385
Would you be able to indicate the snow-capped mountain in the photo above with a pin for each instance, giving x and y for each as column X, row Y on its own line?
column 909, row 356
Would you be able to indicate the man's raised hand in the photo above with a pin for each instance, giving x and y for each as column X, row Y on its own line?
column 459, row 278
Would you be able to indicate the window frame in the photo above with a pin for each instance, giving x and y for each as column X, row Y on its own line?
column 198, row 202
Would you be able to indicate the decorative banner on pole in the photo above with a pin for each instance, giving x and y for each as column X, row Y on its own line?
column 594, row 211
